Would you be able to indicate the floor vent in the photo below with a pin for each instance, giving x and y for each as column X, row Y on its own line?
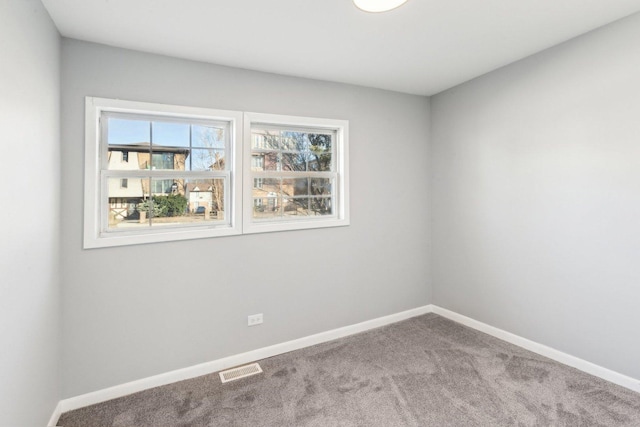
column 240, row 372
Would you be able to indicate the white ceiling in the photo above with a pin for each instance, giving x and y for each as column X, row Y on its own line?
column 423, row 47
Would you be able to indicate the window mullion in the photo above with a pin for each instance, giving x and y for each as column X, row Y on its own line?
column 165, row 174
column 292, row 174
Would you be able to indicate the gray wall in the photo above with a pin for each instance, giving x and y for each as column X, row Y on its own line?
column 536, row 197
column 136, row 311
column 29, row 286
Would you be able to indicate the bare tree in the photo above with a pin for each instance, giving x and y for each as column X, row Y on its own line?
column 211, row 159
column 301, row 152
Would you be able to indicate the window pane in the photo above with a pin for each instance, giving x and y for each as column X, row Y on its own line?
column 203, row 159
column 296, row 206
column 169, row 159
column 321, row 186
column 266, row 198
column 320, row 161
column 162, row 161
column 270, row 188
column 270, row 161
column 295, row 186
column 169, row 134
column 128, row 131
column 294, row 161
column 163, row 186
column 321, row 148
column 266, row 207
column 127, row 143
column 283, row 140
column 206, row 198
column 293, row 141
column 265, row 140
column 127, row 157
column 257, row 161
column 127, row 188
column 320, row 206
column 208, row 137
column 124, row 195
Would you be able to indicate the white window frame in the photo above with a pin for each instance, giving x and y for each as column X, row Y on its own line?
column 95, row 235
column 341, row 162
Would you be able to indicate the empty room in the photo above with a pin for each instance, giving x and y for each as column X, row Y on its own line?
column 320, row 213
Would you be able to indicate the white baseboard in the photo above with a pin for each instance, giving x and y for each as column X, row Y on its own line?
column 231, row 361
column 53, row 421
column 543, row 350
column 262, row 353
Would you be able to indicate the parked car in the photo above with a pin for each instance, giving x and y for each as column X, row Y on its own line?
column 200, row 210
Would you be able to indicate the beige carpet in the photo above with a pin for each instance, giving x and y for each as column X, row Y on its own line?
column 425, row 371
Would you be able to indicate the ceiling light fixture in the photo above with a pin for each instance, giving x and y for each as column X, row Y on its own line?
column 378, row 5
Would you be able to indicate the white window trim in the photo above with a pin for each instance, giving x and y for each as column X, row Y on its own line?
column 341, row 218
column 93, row 237
column 240, row 214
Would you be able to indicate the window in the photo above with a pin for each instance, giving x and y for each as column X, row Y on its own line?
column 161, row 172
column 298, row 170
column 257, row 161
column 150, row 166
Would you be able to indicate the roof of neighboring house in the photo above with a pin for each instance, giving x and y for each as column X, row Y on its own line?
column 145, row 147
column 191, row 186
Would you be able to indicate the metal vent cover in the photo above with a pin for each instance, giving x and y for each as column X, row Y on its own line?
column 240, row 372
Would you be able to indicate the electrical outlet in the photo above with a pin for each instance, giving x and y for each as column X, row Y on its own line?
column 254, row 319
